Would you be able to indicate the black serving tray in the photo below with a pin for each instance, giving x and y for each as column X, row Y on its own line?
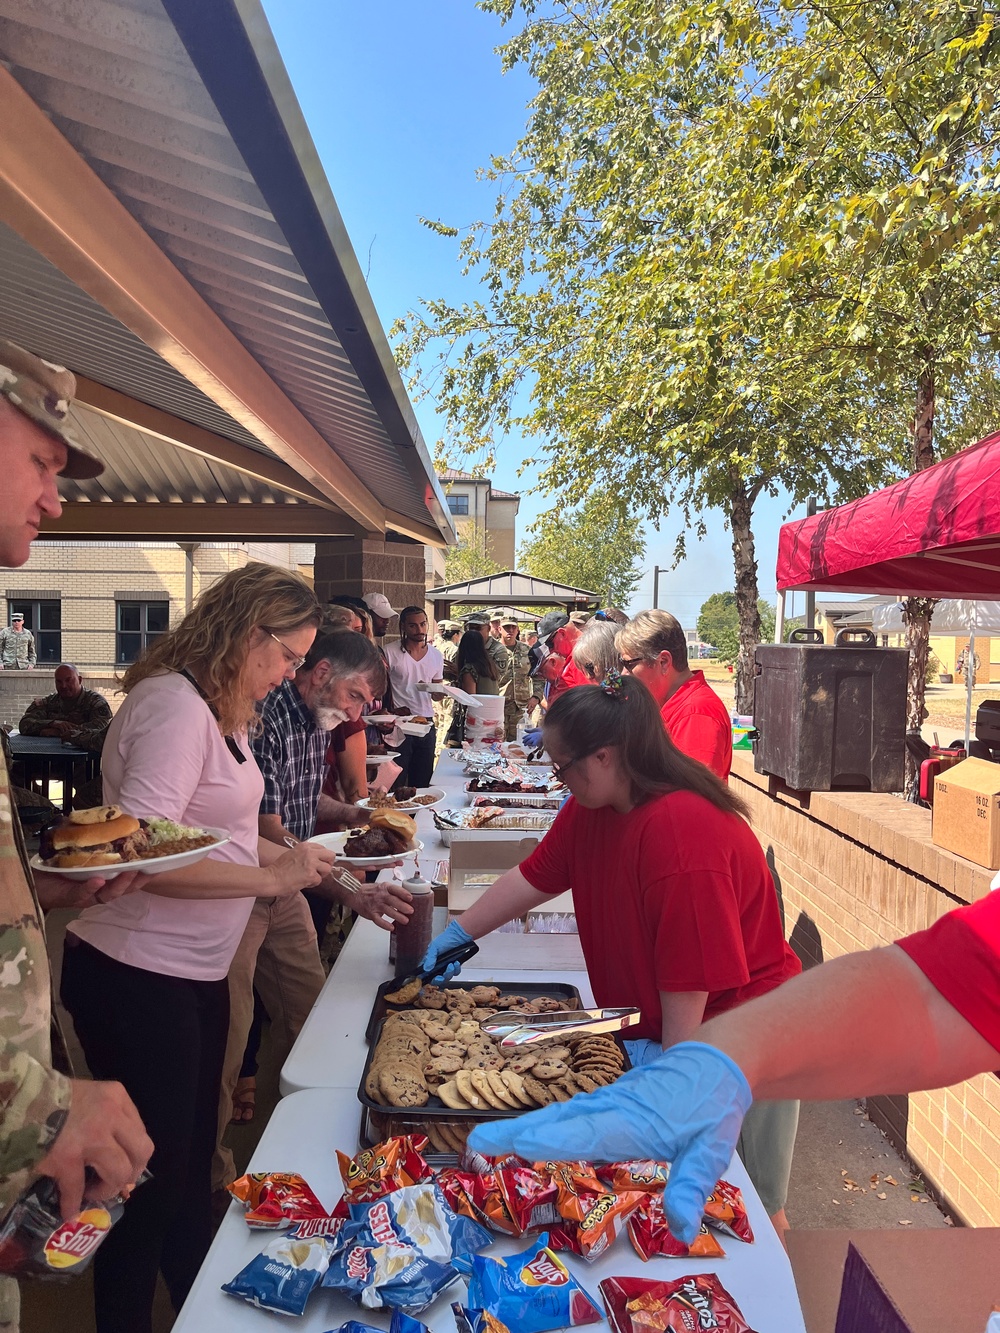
column 381, row 1007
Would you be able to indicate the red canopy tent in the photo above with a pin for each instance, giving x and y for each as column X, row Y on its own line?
column 936, row 534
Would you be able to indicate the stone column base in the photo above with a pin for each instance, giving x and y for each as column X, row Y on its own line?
column 357, row 565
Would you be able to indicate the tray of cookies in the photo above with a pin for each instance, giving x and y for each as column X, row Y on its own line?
column 436, row 1066
column 476, row 1000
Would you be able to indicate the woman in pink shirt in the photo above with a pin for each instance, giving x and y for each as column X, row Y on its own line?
column 144, row 977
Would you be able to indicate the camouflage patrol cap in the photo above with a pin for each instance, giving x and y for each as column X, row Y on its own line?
column 43, row 392
column 497, row 613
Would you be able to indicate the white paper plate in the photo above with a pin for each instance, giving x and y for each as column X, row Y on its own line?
column 158, row 865
column 376, row 718
column 377, row 862
column 415, row 728
column 382, row 758
column 462, row 696
column 333, row 842
column 438, row 793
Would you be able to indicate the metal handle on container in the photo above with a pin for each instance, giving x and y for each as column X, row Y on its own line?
column 855, row 638
column 806, row 636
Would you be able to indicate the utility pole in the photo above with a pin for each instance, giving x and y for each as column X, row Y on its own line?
column 656, row 583
column 810, row 596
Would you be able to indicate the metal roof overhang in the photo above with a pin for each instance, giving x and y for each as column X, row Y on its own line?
column 513, row 588
column 167, row 231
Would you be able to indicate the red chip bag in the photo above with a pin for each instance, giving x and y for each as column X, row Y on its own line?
column 646, row 1176
column 650, row 1234
column 697, row 1301
column 388, row 1166
column 726, row 1211
column 275, row 1199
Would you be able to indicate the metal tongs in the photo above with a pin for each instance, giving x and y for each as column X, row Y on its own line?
column 518, row 1030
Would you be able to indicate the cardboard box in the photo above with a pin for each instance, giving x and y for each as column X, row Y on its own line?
column 475, row 857
column 933, row 1281
column 967, row 812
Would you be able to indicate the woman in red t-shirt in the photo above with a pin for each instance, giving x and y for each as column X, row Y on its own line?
column 675, row 905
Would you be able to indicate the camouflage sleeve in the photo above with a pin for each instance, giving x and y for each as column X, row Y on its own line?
column 32, row 655
column 96, row 720
column 34, row 1104
column 38, row 716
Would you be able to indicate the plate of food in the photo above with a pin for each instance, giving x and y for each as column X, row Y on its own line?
column 409, row 799
column 388, row 835
column 386, row 758
column 415, row 725
column 103, row 840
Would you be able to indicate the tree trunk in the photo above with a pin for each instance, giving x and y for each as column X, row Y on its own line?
column 917, row 610
column 745, row 566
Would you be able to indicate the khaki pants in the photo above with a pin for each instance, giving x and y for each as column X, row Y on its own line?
column 280, row 955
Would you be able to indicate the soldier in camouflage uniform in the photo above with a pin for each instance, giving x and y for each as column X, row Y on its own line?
column 73, row 713
column 50, row 1124
column 514, row 681
column 17, row 646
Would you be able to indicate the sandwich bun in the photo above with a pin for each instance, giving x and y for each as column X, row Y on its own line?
column 71, row 834
column 394, row 822
column 69, row 860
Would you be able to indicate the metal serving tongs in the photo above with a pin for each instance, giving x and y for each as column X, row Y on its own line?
column 519, row 1030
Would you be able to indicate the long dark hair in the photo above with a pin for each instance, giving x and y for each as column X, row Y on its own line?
column 472, row 653
column 587, row 718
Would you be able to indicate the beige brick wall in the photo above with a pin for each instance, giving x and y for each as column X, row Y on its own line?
column 86, row 576
column 857, row 871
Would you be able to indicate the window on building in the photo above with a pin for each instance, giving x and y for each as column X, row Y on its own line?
column 139, row 623
column 458, row 504
column 44, row 619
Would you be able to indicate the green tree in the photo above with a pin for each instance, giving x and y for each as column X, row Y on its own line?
column 719, row 624
column 596, row 546
column 725, row 253
column 469, row 558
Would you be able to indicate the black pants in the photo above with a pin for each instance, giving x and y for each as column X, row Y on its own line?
column 164, row 1038
column 416, row 759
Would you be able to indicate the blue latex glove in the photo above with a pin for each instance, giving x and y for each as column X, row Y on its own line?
column 533, row 738
column 642, row 1051
column 685, row 1108
column 450, row 938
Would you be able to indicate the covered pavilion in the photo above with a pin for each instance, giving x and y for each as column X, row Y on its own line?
column 168, row 233
column 511, row 589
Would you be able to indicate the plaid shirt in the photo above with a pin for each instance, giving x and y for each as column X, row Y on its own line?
column 291, row 753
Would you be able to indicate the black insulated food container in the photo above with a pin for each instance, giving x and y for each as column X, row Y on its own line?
column 831, row 718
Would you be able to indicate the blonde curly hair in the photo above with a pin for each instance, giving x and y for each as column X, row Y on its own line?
column 213, row 639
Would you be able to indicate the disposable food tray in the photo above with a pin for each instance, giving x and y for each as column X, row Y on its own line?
column 559, row 990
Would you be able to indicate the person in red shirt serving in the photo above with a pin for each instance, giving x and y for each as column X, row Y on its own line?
column 921, row 1013
column 675, row 905
column 653, row 647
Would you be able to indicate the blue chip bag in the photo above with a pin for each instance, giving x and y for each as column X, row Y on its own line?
column 352, row 1326
column 532, row 1291
column 386, row 1275
column 420, row 1216
column 283, row 1275
column 476, row 1321
column 401, row 1323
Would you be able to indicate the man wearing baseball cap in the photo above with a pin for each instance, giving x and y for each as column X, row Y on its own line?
column 50, row 1124
column 382, row 612
column 17, row 646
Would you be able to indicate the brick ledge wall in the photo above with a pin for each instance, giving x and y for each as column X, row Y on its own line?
column 857, row 871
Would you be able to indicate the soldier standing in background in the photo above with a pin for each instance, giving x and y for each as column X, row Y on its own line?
column 17, row 646
column 50, row 1124
column 514, row 681
column 446, row 641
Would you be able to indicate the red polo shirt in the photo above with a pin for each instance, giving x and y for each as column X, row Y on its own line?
column 960, row 957
column 673, row 896
column 697, row 722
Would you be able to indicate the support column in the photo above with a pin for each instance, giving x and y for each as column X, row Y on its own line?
column 357, row 565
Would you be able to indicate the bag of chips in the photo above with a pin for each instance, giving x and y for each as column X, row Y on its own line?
column 476, row 1321
column 650, row 1234
column 282, row 1277
column 387, row 1275
column 531, row 1292
column 36, row 1242
column 646, row 1176
column 697, row 1301
column 421, row 1217
column 726, row 1211
column 388, row 1166
column 275, row 1199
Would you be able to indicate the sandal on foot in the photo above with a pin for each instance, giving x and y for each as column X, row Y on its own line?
column 244, row 1101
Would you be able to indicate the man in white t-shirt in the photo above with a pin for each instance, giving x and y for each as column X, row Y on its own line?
column 415, row 666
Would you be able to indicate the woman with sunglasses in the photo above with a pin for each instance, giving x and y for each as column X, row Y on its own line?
column 145, row 977
column 675, row 905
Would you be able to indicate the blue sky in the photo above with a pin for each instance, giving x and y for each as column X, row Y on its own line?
column 405, row 99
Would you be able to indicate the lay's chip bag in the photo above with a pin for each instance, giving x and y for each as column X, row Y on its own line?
column 282, row 1277
column 531, row 1292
